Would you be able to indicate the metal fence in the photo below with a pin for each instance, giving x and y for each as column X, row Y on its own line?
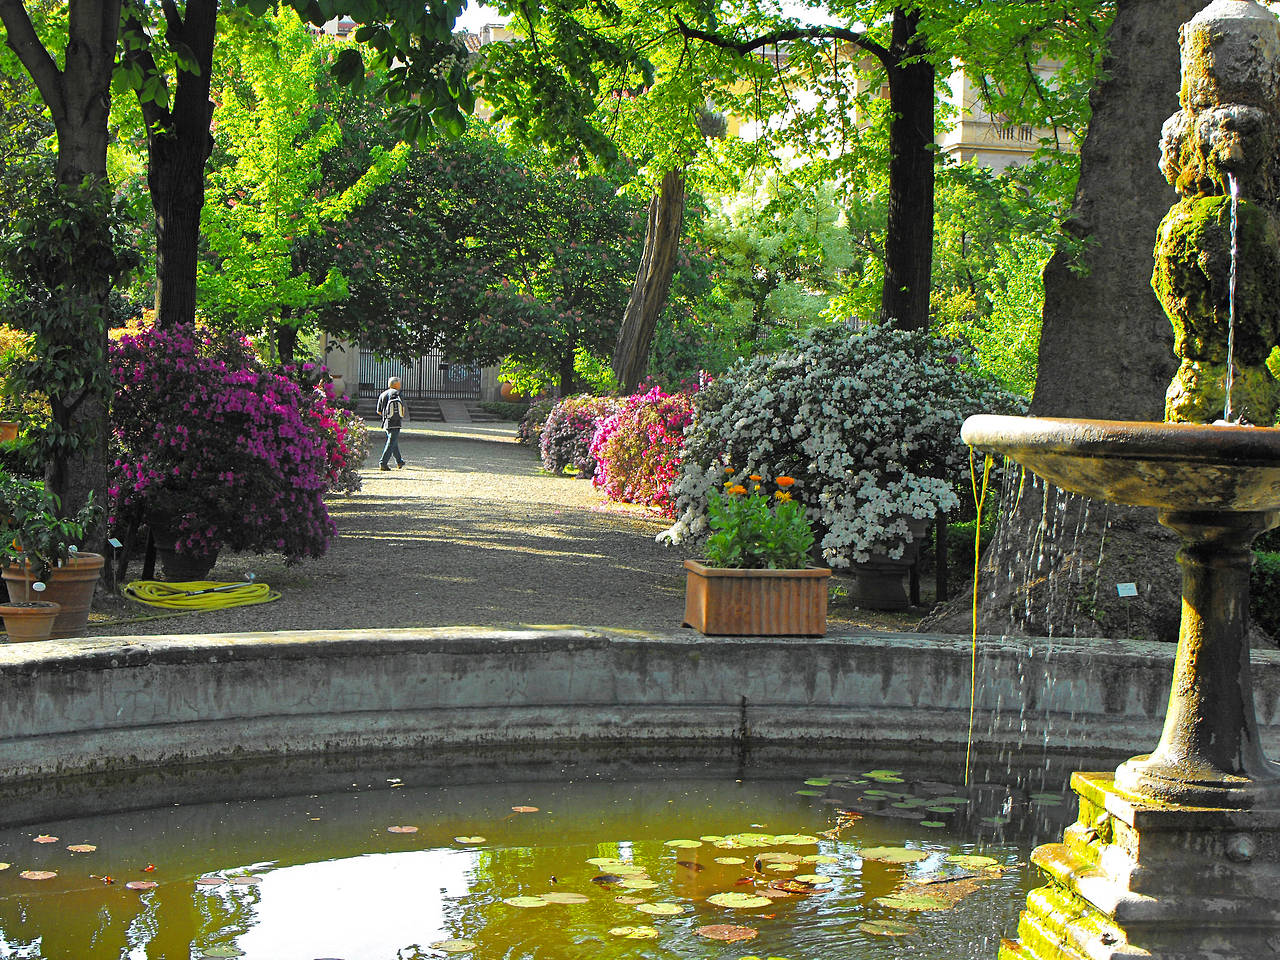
column 430, row 376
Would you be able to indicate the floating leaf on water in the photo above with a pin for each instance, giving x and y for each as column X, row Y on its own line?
column 814, row 879
column 82, row 848
column 635, row 933
column 794, row 885
column 886, row 928
column 628, row 869
column 629, row 901
column 209, row 881
column 797, row 839
column 892, row 854
column 727, row 932
column 223, row 950
column 779, row 857
column 971, row 861
column 524, row 809
column 454, row 946
column 246, row 881
column 605, row 861
column 141, row 885
column 808, row 793
column 820, row 858
column 711, row 838
column 566, row 897
column 739, row 901
column 774, row 893
column 911, row 902
column 730, row 861
column 44, row 838
column 402, row 828
column 878, row 793
column 731, row 843
column 783, row 867
column 877, row 774
column 941, row 809
column 468, row 841
column 682, row 844
column 638, row 883
column 38, row 874
column 818, row 782
column 755, row 839
column 661, row 909
column 525, row 902
column 932, row 823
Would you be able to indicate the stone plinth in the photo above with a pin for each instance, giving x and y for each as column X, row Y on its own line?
column 1135, row 878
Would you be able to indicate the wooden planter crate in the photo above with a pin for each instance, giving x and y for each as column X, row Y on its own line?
column 756, row 603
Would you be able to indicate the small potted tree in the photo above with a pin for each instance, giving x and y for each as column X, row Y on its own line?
column 48, row 578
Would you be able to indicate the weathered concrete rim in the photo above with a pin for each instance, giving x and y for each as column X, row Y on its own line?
column 129, row 707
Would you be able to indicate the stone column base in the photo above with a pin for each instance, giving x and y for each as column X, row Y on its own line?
column 1135, row 878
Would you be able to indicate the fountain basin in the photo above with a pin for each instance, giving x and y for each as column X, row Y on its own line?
column 1169, row 466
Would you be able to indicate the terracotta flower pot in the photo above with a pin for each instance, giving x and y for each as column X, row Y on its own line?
column 756, row 603
column 177, row 566
column 70, row 585
column 9, row 430
column 29, row 620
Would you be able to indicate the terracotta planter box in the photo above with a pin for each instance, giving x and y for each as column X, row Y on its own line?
column 71, row 585
column 756, row 603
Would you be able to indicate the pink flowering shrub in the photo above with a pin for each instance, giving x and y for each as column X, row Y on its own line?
column 566, row 436
column 219, row 450
column 346, row 437
column 638, row 450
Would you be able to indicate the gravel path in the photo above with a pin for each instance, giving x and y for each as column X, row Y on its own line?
column 471, row 532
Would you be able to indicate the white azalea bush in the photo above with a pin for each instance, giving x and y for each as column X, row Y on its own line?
column 868, row 425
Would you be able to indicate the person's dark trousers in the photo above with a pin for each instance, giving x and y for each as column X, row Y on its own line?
column 392, row 448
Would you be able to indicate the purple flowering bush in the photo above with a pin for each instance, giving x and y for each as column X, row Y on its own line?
column 216, row 448
column 638, row 449
column 567, row 434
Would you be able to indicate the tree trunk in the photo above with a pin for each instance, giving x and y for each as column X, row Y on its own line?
column 1106, row 351
column 566, row 371
column 286, row 341
column 653, row 282
column 908, row 247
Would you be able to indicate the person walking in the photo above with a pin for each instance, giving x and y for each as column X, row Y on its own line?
column 392, row 409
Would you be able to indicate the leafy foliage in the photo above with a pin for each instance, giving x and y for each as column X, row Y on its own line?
column 32, row 529
column 753, row 531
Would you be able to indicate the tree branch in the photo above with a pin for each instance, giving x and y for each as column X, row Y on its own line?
column 744, row 47
column 154, row 116
column 22, row 39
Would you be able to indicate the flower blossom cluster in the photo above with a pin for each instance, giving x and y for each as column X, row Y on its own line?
column 217, row 449
column 568, row 430
column 868, row 423
column 638, row 449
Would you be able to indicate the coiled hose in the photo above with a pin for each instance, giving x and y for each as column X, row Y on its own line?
column 196, row 595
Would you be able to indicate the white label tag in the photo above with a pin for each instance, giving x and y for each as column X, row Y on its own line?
column 115, row 543
column 1127, row 589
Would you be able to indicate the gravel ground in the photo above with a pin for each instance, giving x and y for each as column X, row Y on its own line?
column 471, row 532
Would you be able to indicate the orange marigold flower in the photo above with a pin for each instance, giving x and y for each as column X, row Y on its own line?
column 782, row 495
column 737, row 489
column 785, row 481
column 756, row 477
column 728, row 469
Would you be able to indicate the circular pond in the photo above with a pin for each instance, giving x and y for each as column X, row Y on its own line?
column 828, row 861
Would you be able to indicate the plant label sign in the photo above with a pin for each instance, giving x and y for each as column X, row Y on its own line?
column 1127, row 589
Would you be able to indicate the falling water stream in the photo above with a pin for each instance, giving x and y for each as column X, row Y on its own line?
column 1231, row 297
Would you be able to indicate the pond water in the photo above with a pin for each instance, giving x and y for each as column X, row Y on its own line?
column 852, row 864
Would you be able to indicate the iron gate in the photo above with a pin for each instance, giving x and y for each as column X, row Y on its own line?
column 429, row 376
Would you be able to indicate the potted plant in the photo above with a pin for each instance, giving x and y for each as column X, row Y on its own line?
column 756, row 580
column 39, row 556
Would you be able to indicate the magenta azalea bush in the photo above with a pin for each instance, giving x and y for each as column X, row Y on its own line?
column 346, row 437
column 638, row 450
column 216, row 448
column 567, row 434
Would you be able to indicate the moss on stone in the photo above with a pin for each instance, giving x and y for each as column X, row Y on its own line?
column 1192, row 274
column 1198, row 393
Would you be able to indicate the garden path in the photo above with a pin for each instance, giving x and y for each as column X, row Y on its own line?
column 471, row 532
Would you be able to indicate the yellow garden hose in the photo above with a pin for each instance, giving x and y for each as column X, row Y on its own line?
column 199, row 594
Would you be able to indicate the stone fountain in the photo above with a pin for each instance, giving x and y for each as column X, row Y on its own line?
column 1177, row 854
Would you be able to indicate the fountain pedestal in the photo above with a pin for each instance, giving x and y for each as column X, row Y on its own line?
column 1139, row 878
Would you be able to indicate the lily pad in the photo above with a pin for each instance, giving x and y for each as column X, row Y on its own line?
column 246, row 880
column 934, row 824
column 892, row 854
column 210, row 881
column 813, row 878
column 141, row 885
column 468, row 841
column 525, row 902
column 38, row 874
column 783, row 867
column 454, row 946
column 820, row 858
column 727, row 932
column 606, row 862
column 565, row 897
column 711, row 838
column 661, row 909
column 808, row 793
column 730, row 861
column 402, row 828
column 818, row 782
column 971, row 861
column 82, row 848
column 779, row 857
column 223, row 950
column 886, row 928
column 629, row 901
column 682, row 844
column 796, row 886
column 44, row 838
column 755, row 839
column 797, row 839
column 739, row 901
column 912, row 903
column 638, row 883
column 635, row 933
